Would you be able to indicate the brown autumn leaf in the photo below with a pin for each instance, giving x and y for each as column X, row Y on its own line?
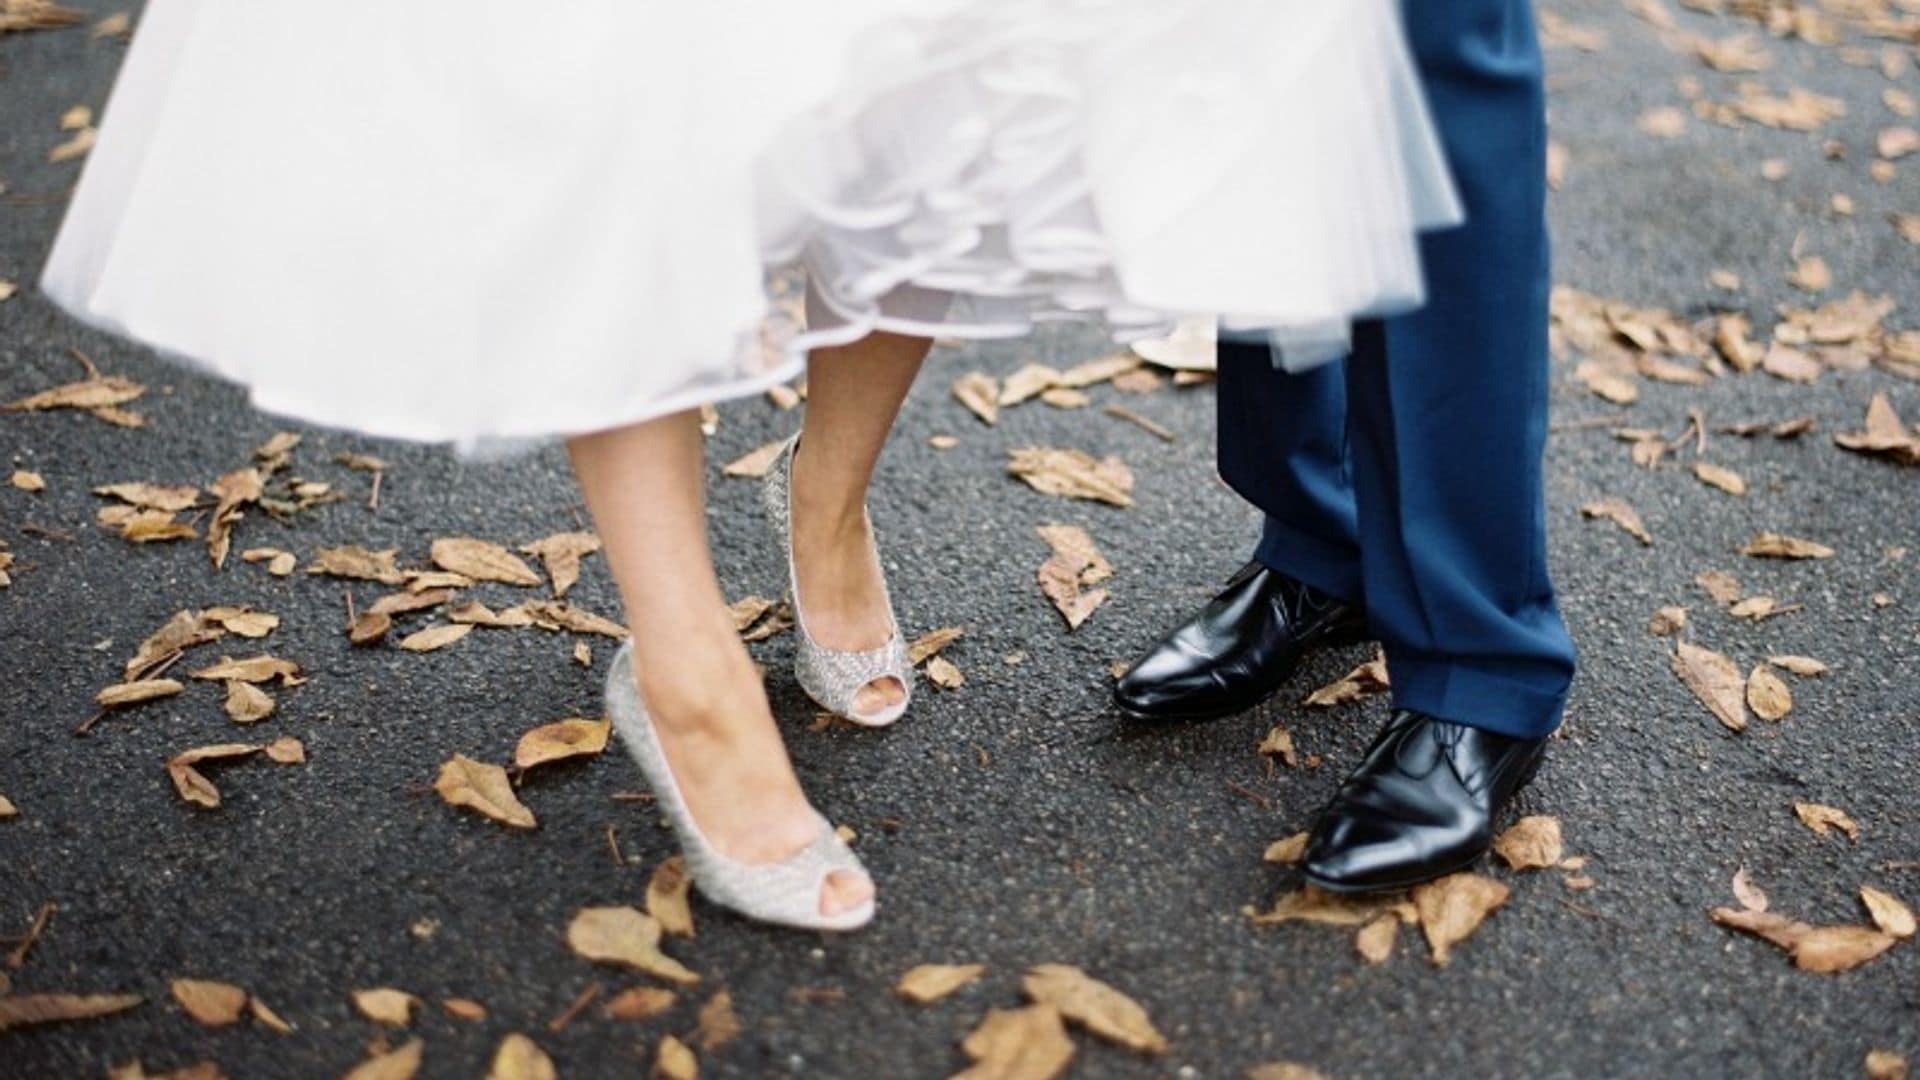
column 929, row 644
column 1074, row 566
column 623, row 935
column 1017, row 1044
column 1532, row 843
column 1804, row 666
column 942, row 673
column 520, row 1058
column 239, row 488
column 757, row 462
column 1884, row 434
column 928, row 983
column 385, row 1005
column 1791, row 365
column 1030, row 381
column 1312, row 905
column 1768, row 545
column 1750, row 896
column 406, row 602
column 1768, row 926
column 401, row 1064
column 267, row 1018
column 1811, row 274
column 286, row 750
column 152, row 496
column 438, row 636
column 980, row 393
column 1610, row 384
column 1767, row 696
column 1715, row 680
column 369, row 627
column 100, row 391
column 1823, row 820
column 1364, row 681
column 254, row 669
column 475, row 613
column 1285, row 1070
column 1663, row 122
column 7, row 810
column 1720, row 477
column 1073, row 474
column 1761, row 608
column 483, row 788
column 214, row 1004
column 1894, row 918
column 667, row 897
column 279, row 563
column 674, row 1060
column 151, row 527
column 132, row 693
column 1279, row 743
column 1885, row 1064
column 1618, row 512
column 245, row 622
column 1094, row 1005
column 1832, row 949
column 182, row 631
column 1720, row 585
column 1667, row 621
column 25, row 1010
column 561, row 554
column 1452, row 908
column 558, row 616
column 1375, row 940
column 481, row 561
column 1288, row 850
column 1104, row 369
column 717, row 1023
column 358, row 563
column 639, row 1003
column 192, row 785
column 572, row 737
column 247, row 703
column 434, row 580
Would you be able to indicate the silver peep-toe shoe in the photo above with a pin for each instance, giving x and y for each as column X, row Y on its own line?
column 833, row 677
column 786, row 893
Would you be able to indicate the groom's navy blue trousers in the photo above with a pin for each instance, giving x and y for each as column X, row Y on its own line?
column 1407, row 477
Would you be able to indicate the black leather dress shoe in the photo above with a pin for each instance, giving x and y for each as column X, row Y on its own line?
column 1242, row 646
column 1421, row 805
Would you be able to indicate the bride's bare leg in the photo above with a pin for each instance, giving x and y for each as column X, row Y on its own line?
column 853, row 394
column 645, row 486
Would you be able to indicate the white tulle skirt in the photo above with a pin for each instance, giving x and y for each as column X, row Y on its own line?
column 493, row 224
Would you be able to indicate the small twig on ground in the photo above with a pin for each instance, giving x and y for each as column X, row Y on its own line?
column 613, row 845
column 580, row 1002
column 1589, row 423
column 51, row 534
column 632, row 796
column 1160, row 431
column 19, row 954
column 1258, row 799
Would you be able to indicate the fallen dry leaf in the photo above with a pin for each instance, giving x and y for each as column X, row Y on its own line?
column 1776, row 546
column 1017, row 1044
column 717, row 1024
column 1532, row 843
column 369, row 627
column 639, row 1003
column 1747, row 893
column 475, row 613
column 1364, row 681
column 1311, row 905
column 561, row 554
column 132, row 693
column 1811, row 274
column 481, row 561
column 254, row 669
column 247, row 703
column 1073, row 474
column 438, row 636
column 1715, row 680
column 1720, row 585
column 269, row 1019
column 1094, row 1005
column 386, row 1005
column 930, row 643
column 674, row 1060
column 1767, row 696
column 573, row 737
column 1830, row 949
column 1452, row 908
column 286, row 750
column 1030, row 381
column 464, row 1009
column 1375, row 940
column 667, row 897
column 1074, row 567
column 1285, row 1070
column 519, row 1058
column 1287, row 851
column 757, row 462
column 980, row 393
column 1804, row 666
column 358, row 563
column 1618, row 512
column 1667, row 621
column 1885, row 1065
column 1823, row 820
column 401, row 1064
column 25, row 1010
column 214, row 1004
column 1663, row 122
column 1723, row 478
column 928, row 983
column 1889, row 914
column 484, row 788
column 942, row 673
column 624, row 935
column 1884, row 434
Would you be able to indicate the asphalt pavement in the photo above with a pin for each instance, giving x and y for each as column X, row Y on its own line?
column 1016, row 820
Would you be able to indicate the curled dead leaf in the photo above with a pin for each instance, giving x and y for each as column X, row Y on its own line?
column 623, row 935
column 1366, row 680
column 1375, row 940
column 1767, row 696
column 928, row 983
column 1715, row 680
column 1532, row 843
column 386, row 1005
column 667, row 897
column 483, row 788
column 481, row 560
column 1094, row 1005
column 399, row 1064
column 26, row 1010
column 1287, row 851
column 1777, row 546
column 520, row 1058
column 1823, row 820
column 1017, row 1044
column 1894, row 918
column 562, row 739
column 639, row 1003
column 213, row 1004
column 1452, row 908
column 435, row 637
column 1074, row 474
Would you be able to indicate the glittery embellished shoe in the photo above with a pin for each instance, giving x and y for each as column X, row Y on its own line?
column 786, row 893
column 833, row 677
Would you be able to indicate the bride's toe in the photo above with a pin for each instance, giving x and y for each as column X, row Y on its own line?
column 879, row 696
column 844, row 891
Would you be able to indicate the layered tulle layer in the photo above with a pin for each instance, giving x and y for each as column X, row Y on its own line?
column 477, row 229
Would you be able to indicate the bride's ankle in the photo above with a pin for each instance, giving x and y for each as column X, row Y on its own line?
column 827, row 503
column 702, row 686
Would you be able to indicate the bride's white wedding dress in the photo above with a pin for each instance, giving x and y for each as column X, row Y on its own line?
column 493, row 224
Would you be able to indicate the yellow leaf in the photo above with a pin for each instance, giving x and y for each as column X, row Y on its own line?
column 1715, row 681
column 1889, row 914
column 928, row 983
column 1452, row 908
column 1017, row 1044
column 482, row 787
column 674, row 1061
column 435, row 637
column 560, row 740
column 399, row 1064
column 1823, row 820
column 520, row 1059
column 215, row 1004
column 24, row 1010
column 667, row 897
column 623, row 935
column 481, row 561
column 1767, row 696
column 1532, row 843
column 386, row 1005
